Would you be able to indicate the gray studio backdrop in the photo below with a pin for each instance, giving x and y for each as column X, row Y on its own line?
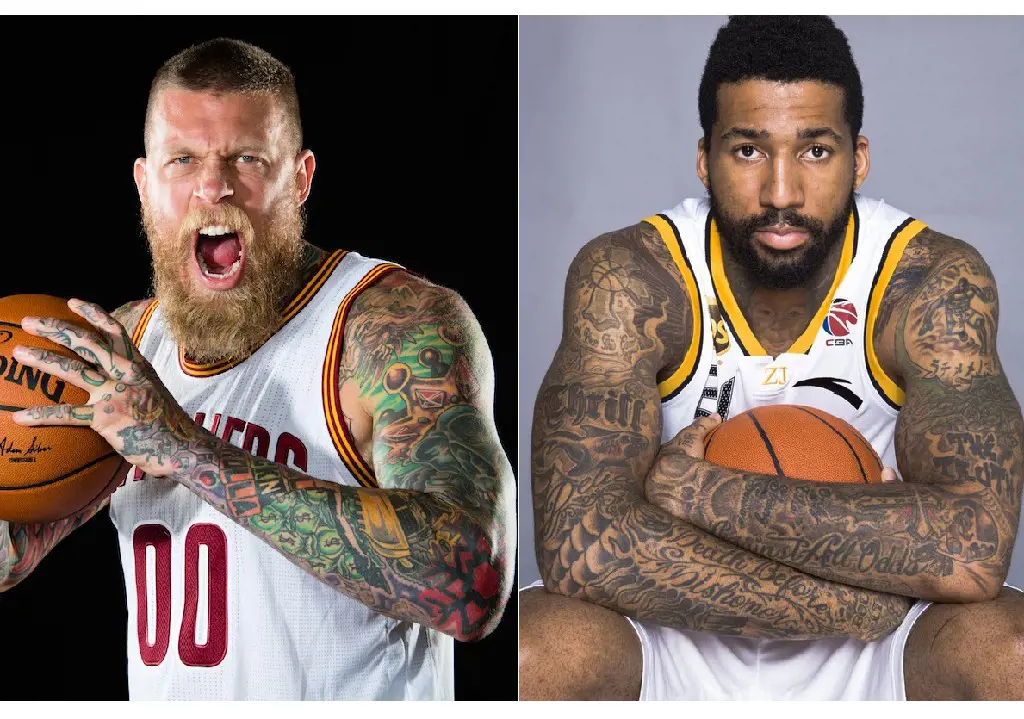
column 609, row 129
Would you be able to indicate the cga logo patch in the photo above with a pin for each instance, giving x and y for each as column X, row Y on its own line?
column 841, row 315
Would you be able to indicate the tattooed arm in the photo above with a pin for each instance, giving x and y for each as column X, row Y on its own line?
column 24, row 546
column 432, row 545
column 596, row 433
column 946, row 532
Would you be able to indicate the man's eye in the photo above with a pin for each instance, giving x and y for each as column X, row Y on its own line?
column 747, row 152
column 248, row 159
column 819, row 152
column 184, row 160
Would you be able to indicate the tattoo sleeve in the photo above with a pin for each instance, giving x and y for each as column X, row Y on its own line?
column 432, row 545
column 596, row 433
column 946, row 532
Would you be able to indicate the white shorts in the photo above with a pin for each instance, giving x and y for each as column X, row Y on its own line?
column 679, row 664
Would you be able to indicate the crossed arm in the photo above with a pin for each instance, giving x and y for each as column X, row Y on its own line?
column 432, row 545
column 946, row 532
column 596, row 435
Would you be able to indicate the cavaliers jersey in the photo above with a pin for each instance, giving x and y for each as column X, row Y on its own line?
column 214, row 612
column 831, row 366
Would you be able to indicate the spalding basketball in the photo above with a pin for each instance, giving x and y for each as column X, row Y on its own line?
column 46, row 473
column 796, row 442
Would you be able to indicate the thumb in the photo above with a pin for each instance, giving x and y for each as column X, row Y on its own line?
column 889, row 475
column 691, row 439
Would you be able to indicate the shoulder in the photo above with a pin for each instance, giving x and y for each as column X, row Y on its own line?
column 634, row 255
column 130, row 313
column 403, row 297
column 626, row 300
column 932, row 261
column 405, row 318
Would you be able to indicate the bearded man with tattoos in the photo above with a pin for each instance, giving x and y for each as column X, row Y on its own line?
column 667, row 577
column 319, row 504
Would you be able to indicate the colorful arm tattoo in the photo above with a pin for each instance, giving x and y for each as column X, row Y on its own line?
column 598, row 538
column 947, row 531
column 432, row 544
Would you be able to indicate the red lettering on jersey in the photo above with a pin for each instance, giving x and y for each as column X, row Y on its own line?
column 137, row 474
column 234, row 424
column 216, row 423
column 200, row 418
column 287, row 444
column 254, row 434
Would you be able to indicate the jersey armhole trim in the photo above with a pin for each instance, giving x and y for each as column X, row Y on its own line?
column 670, row 387
column 140, row 327
column 342, row 438
column 891, row 255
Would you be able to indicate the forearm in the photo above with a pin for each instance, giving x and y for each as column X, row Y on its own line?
column 631, row 557
column 23, row 546
column 934, row 541
column 412, row 555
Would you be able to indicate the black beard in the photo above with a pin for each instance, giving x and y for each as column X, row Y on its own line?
column 782, row 269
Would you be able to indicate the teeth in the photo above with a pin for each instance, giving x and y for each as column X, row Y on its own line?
column 206, row 270
column 215, row 230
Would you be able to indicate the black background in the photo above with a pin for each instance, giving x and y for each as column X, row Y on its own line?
column 413, row 123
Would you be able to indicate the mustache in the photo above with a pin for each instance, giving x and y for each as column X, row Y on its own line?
column 224, row 215
column 778, row 218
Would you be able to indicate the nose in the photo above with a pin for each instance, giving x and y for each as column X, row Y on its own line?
column 782, row 188
column 213, row 183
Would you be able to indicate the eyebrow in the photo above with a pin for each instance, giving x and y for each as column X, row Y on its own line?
column 746, row 133
column 811, row 133
column 178, row 150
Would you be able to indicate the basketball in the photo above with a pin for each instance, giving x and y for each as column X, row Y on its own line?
column 46, row 473
column 794, row 441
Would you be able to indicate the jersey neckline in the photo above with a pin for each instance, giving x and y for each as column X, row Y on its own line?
column 733, row 315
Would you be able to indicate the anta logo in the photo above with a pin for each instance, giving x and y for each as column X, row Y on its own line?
column 841, row 316
column 835, row 385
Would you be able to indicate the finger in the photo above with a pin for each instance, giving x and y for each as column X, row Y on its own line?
column 95, row 349
column 889, row 475
column 69, row 369
column 691, row 439
column 105, row 322
column 58, row 414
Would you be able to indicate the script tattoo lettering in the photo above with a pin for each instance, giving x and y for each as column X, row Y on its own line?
column 596, row 433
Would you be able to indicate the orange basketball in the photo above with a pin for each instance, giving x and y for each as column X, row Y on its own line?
column 794, row 441
column 46, row 473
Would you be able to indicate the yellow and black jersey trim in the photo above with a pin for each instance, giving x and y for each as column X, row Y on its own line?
column 301, row 299
column 336, row 425
column 730, row 308
column 140, row 327
column 674, row 383
column 891, row 255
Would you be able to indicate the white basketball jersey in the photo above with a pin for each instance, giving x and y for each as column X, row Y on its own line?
column 214, row 612
column 832, row 366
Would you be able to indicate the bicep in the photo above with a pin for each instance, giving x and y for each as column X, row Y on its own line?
column 422, row 370
column 597, row 418
column 960, row 423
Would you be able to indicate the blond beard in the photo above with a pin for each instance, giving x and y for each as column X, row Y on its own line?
column 212, row 325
